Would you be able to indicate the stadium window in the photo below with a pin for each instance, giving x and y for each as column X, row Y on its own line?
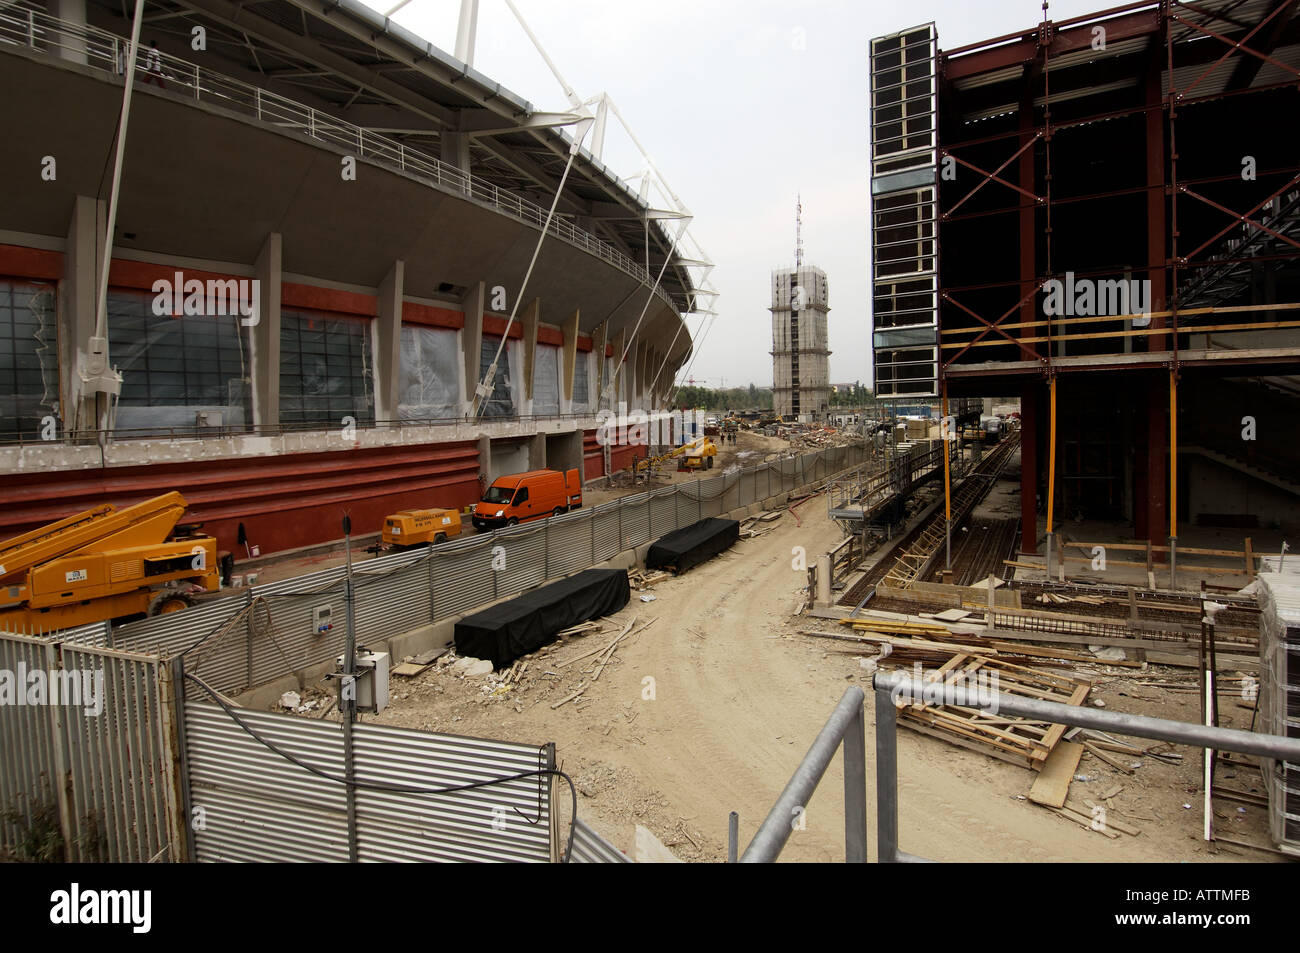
column 29, row 366
column 501, row 402
column 546, row 380
column 175, row 368
column 325, row 371
column 581, row 384
column 429, row 382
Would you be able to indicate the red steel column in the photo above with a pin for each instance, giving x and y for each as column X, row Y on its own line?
column 1031, row 393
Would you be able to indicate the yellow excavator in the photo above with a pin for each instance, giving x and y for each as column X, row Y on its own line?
column 105, row 563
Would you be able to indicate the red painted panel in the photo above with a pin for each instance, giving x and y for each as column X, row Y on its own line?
column 430, row 316
column 20, row 262
column 142, row 274
column 620, row 458
column 585, row 343
column 496, row 326
column 593, row 456
column 284, row 502
column 550, row 336
column 293, row 295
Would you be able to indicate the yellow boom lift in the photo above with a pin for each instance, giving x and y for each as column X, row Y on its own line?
column 105, row 563
column 698, row 455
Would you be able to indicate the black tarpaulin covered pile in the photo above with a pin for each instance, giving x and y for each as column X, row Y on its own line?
column 502, row 633
column 692, row 545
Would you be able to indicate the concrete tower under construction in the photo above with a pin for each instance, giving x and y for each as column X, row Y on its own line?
column 800, row 376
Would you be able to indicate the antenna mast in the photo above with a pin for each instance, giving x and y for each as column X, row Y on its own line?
column 798, row 232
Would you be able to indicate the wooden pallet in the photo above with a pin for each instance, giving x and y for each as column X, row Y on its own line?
column 1012, row 739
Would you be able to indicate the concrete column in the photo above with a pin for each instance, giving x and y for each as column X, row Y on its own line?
column 77, row 305
column 455, row 150
column 569, row 355
column 486, row 476
column 824, row 579
column 537, row 452
column 264, row 337
column 472, row 344
column 72, row 46
column 619, row 373
column 529, row 320
column 598, row 345
column 387, row 343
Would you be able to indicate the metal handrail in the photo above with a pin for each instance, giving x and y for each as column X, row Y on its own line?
column 195, row 432
column 905, row 687
column 41, row 32
column 846, row 725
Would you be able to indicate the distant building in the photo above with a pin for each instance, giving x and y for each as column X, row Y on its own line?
column 800, row 375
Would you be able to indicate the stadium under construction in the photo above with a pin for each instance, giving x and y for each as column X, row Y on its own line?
column 347, row 270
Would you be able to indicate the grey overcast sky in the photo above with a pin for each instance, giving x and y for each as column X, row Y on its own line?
column 743, row 105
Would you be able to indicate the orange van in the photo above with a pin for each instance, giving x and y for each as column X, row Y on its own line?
column 528, row 496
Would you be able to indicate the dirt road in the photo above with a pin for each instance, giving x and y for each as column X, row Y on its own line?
column 711, row 709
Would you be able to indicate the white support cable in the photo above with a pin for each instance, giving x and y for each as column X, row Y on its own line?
column 564, row 84
column 491, row 374
column 664, row 363
column 694, row 355
column 608, row 392
column 101, row 317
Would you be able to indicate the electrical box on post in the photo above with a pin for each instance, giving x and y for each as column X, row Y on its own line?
column 372, row 680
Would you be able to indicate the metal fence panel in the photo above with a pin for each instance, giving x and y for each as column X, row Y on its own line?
column 255, row 805
column 663, row 511
column 711, row 492
column 28, row 766
column 500, row 822
column 86, row 769
column 173, row 633
column 568, row 545
column 730, row 499
column 605, row 531
column 748, row 487
column 251, row 804
column 393, row 599
column 524, row 566
column 588, row 847
column 462, row 576
column 688, row 503
column 636, row 521
column 119, row 760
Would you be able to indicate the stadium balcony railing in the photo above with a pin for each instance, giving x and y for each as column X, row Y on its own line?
column 107, row 51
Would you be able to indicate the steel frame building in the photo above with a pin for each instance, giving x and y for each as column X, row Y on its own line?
column 1152, row 147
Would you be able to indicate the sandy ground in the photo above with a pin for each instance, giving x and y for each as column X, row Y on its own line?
column 739, row 694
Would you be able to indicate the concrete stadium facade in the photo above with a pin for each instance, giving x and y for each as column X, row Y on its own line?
column 379, row 200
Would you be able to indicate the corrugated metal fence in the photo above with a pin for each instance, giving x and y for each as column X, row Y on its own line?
column 253, row 636
column 250, row 803
column 88, row 752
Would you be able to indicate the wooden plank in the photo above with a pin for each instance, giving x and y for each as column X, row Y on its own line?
column 1103, row 756
column 1052, row 784
column 1073, row 815
column 408, row 669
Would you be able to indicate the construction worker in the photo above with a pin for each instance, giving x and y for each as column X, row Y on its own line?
column 153, row 65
